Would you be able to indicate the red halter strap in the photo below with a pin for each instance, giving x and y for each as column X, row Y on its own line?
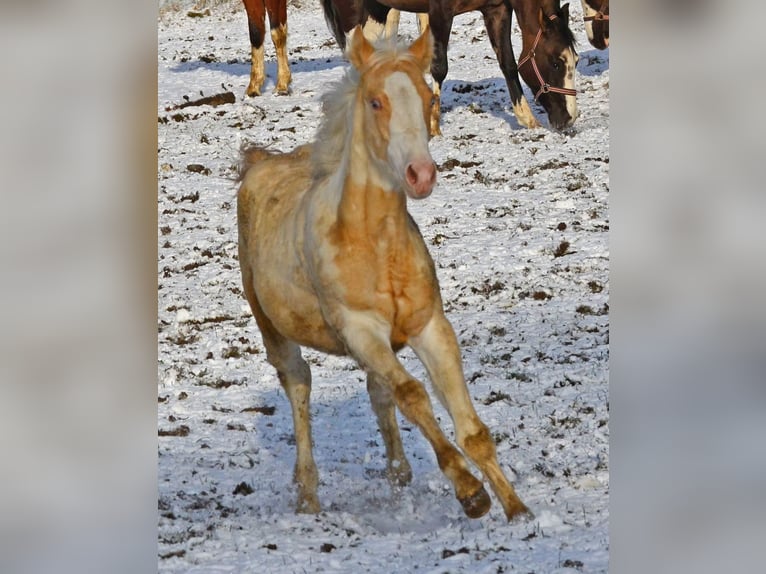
column 545, row 87
column 598, row 16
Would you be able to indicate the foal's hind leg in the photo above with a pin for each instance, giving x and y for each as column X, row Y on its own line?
column 399, row 471
column 295, row 376
column 437, row 347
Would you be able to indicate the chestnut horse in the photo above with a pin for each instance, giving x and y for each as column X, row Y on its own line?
column 331, row 259
column 547, row 41
column 596, row 16
column 256, row 24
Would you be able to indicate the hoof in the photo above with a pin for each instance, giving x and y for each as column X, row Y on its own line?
column 477, row 504
column 308, row 505
column 519, row 513
column 401, row 476
column 253, row 91
column 282, row 91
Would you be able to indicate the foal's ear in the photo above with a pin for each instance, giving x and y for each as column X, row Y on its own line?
column 360, row 49
column 565, row 13
column 423, row 49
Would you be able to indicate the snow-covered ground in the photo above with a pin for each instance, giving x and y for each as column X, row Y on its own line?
column 518, row 227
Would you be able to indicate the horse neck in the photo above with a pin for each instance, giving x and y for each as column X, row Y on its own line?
column 527, row 18
column 371, row 201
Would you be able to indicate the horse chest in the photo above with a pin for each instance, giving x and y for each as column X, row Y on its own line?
column 391, row 278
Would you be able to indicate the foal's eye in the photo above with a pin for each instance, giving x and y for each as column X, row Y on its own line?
column 556, row 65
column 433, row 101
column 375, row 104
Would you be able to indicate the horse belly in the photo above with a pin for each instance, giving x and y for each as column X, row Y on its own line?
column 295, row 313
column 407, row 5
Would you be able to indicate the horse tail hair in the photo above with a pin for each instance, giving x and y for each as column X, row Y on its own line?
column 334, row 22
column 249, row 155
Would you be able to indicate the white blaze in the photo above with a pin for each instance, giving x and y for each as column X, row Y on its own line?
column 570, row 63
column 408, row 131
column 588, row 11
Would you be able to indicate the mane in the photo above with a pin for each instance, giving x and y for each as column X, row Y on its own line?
column 551, row 7
column 567, row 33
column 338, row 108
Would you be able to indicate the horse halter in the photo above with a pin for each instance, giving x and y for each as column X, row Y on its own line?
column 598, row 16
column 545, row 87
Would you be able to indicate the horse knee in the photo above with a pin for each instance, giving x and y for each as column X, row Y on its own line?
column 412, row 399
column 256, row 33
column 478, row 446
column 439, row 66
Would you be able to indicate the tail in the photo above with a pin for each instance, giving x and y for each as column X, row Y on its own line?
column 249, row 155
column 335, row 22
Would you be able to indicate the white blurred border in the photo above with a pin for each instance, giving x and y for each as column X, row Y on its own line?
column 78, row 337
column 688, row 261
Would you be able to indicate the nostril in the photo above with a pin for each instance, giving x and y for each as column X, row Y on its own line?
column 412, row 175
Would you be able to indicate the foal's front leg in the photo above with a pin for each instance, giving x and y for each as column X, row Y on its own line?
column 437, row 348
column 367, row 340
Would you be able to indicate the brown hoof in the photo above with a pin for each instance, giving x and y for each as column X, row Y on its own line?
column 477, row 504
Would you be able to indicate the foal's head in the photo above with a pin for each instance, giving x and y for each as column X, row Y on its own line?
column 393, row 103
column 548, row 63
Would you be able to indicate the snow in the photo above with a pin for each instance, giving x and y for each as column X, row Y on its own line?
column 531, row 315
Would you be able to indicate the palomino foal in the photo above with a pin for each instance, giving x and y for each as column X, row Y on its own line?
column 331, row 259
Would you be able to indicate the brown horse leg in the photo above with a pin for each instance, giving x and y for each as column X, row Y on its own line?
column 440, row 23
column 392, row 24
column 497, row 20
column 436, row 113
column 277, row 10
column 295, row 376
column 399, row 471
column 256, row 24
column 367, row 341
column 437, row 348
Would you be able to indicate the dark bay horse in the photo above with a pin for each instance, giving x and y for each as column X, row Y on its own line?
column 596, row 16
column 256, row 23
column 331, row 259
column 547, row 41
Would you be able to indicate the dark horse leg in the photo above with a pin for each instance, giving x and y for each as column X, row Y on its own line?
column 256, row 25
column 440, row 21
column 497, row 19
column 277, row 10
